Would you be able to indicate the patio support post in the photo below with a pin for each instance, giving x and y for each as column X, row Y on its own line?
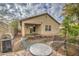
column 23, row 29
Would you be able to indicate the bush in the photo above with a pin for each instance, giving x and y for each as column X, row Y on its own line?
column 73, row 41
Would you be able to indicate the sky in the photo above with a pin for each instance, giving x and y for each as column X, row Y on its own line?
column 11, row 11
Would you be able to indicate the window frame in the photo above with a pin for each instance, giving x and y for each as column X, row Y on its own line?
column 47, row 27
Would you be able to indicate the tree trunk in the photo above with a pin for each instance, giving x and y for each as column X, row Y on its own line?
column 65, row 44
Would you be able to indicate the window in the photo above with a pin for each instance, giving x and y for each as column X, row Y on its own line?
column 47, row 27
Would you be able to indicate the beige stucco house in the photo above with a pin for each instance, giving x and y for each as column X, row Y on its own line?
column 42, row 24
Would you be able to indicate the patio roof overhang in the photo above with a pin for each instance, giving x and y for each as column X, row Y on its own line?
column 29, row 23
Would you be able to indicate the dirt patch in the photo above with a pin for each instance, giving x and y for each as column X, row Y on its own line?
column 72, row 50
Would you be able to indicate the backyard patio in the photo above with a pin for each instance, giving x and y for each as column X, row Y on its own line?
column 57, row 46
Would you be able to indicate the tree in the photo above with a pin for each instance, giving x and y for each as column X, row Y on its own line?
column 70, row 26
column 74, row 33
column 14, row 25
column 70, row 30
column 65, row 30
column 72, row 10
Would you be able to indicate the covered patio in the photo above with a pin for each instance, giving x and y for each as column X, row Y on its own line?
column 31, row 28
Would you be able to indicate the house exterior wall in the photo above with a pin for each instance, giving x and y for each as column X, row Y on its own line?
column 43, row 20
column 54, row 26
